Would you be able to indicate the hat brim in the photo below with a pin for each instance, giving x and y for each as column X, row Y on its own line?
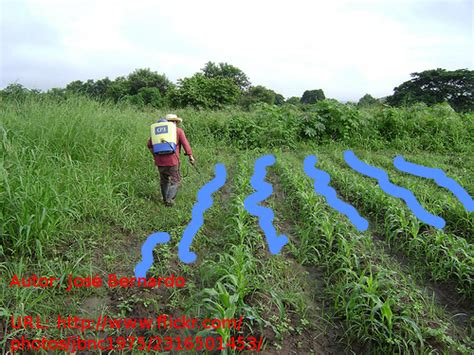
column 179, row 119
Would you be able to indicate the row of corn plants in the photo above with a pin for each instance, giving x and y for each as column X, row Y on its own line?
column 382, row 310
column 228, row 270
column 437, row 200
column 444, row 255
column 236, row 274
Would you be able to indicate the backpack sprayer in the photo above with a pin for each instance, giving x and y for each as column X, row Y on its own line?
column 163, row 137
column 164, row 140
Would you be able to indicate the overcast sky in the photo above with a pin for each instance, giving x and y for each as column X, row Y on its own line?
column 347, row 48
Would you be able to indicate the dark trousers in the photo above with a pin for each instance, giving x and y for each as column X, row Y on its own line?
column 170, row 180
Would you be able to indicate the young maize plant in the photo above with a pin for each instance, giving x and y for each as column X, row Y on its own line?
column 381, row 309
column 444, row 255
column 459, row 221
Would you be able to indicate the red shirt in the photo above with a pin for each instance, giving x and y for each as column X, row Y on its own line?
column 172, row 159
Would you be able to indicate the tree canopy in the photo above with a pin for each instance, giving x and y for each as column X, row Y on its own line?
column 200, row 91
column 224, row 70
column 312, row 96
column 367, row 100
column 145, row 78
column 260, row 93
column 218, row 85
column 435, row 86
column 294, row 100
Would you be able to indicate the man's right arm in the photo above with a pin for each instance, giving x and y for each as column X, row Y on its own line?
column 187, row 147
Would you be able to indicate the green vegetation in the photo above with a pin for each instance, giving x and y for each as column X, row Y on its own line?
column 217, row 86
column 367, row 100
column 435, row 86
column 312, row 96
column 258, row 94
column 202, row 92
column 446, row 256
column 381, row 308
column 79, row 194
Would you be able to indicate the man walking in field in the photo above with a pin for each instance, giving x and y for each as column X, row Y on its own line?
column 165, row 144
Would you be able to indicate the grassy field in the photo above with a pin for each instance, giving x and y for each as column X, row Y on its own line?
column 79, row 195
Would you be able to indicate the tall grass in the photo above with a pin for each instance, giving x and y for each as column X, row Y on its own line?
column 49, row 148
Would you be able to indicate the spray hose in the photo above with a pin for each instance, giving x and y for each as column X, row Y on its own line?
column 179, row 161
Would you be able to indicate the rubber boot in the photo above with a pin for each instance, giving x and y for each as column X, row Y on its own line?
column 172, row 192
column 164, row 191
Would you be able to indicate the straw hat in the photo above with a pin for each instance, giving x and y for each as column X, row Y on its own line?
column 173, row 117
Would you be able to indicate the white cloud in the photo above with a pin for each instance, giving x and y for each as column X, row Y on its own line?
column 347, row 48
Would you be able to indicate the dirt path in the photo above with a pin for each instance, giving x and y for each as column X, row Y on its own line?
column 459, row 309
column 323, row 335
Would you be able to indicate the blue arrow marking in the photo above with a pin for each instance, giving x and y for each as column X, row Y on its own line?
column 265, row 215
column 321, row 186
column 393, row 190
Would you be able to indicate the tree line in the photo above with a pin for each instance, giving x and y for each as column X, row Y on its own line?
column 216, row 86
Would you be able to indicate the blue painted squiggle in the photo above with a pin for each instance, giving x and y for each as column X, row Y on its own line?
column 265, row 215
column 392, row 189
column 147, row 252
column 439, row 177
column 321, row 186
column 204, row 202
